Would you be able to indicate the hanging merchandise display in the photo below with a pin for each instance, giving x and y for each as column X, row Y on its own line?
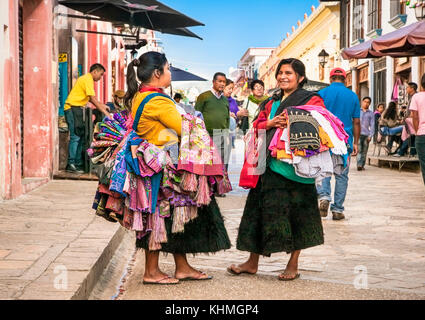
column 141, row 184
column 313, row 142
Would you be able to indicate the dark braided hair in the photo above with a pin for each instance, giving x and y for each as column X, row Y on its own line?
column 146, row 64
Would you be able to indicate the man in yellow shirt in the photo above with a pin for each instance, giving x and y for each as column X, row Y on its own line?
column 80, row 95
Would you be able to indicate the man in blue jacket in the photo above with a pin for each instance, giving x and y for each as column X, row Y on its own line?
column 344, row 104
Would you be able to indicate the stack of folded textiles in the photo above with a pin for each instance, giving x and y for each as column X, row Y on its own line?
column 141, row 185
column 314, row 142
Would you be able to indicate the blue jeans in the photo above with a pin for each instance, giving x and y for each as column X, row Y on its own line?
column 391, row 131
column 363, row 148
column 341, row 183
column 75, row 155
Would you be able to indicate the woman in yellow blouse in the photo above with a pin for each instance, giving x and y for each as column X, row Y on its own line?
column 160, row 123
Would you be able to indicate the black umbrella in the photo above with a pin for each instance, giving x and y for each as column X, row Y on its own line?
column 149, row 14
column 181, row 32
column 181, row 75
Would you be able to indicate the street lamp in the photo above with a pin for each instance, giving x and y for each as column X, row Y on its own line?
column 420, row 10
column 323, row 58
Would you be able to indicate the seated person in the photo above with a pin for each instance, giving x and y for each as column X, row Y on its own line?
column 114, row 107
column 408, row 133
column 118, row 104
column 390, row 125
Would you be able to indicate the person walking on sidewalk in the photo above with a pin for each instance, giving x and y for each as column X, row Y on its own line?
column 344, row 104
column 281, row 213
column 80, row 95
column 367, row 130
column 234, row 110
column 214, row 107
column 417, row 108
column 160, row 123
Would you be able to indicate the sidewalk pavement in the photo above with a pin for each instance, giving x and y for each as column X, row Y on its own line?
column 379, row 248
column 52, row 245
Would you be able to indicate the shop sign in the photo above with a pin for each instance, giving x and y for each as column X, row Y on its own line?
column 63, row 57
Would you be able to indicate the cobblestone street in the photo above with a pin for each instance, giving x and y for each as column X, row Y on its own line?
column 383, row 237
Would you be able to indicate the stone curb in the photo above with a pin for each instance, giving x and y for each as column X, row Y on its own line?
column 86, row 287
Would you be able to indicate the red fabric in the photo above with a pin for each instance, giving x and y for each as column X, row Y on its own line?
column 246, row 180
column 146, row 88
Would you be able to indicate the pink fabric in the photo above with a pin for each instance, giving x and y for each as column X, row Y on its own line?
column 275, row 140
column 418, row 104
column 336, row 124
column 198, row 154
column 405, row 135
column 142, row 199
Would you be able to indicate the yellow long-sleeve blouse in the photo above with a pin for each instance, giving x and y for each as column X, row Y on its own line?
column 160, row 123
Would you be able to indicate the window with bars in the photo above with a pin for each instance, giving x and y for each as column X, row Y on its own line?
column 380, row 81
column 345, row 24
column 397, row 7
column 374, row 15
column 358, row 30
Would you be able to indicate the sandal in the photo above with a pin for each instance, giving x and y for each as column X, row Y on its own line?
column 162, row 283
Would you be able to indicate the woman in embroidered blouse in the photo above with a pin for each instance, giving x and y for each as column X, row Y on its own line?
column 161, row 125
column 281, row 212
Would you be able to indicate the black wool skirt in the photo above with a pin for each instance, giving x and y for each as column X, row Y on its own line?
column 280, row 215
column 205, row 234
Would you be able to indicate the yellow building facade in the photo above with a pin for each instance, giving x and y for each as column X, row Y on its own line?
column 318, row 31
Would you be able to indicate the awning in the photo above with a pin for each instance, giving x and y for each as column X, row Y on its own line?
column 150, row 14
column 408, row 41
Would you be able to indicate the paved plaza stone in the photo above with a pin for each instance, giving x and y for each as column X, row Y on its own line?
column 52, row 244
column 379, row 248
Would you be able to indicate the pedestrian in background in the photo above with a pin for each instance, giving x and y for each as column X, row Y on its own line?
column 344, row 104
column 234, row 110
column 367, row 130
column 281, row 213
column 80, row 95
column 251, row 104
column 378, row 112
column 417, row 108
column 214, row 107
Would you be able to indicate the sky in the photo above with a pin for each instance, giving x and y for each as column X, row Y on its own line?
column 231, row 27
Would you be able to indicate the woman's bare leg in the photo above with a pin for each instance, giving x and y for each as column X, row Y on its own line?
column 291, row 270
column 152, row 271
column 250, row 266
column 185, row 270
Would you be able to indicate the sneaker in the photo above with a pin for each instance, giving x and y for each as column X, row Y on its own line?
column 359, row 168
column 323, row 208
column 337, row 216
column 62, row 125
column 397, row 155
column 73, row 169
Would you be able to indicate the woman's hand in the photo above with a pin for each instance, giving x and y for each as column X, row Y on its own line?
column 279, row 121
column 242, row 113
